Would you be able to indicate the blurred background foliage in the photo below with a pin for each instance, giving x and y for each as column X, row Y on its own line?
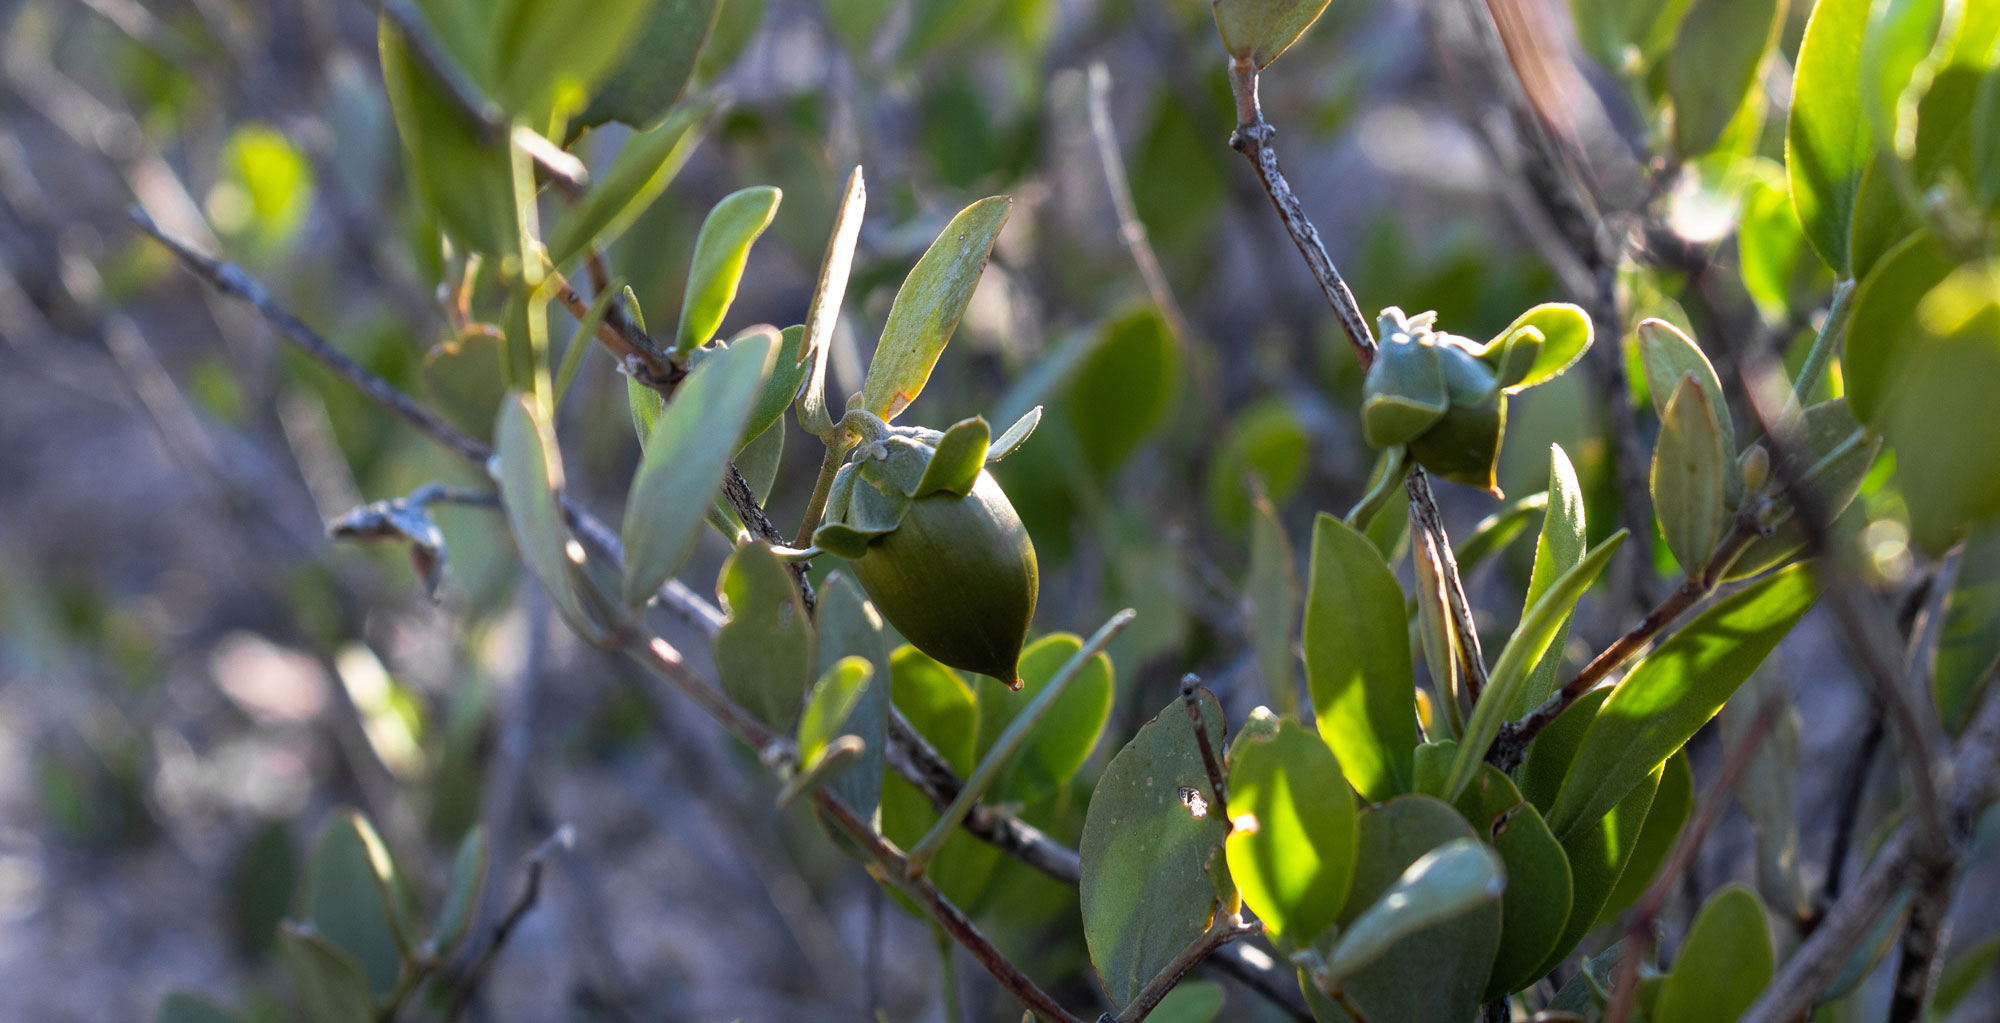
column 193, row 680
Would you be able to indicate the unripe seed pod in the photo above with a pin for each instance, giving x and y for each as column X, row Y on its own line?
column 958, row 578
column 936, row 544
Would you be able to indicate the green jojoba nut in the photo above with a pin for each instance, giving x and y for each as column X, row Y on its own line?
column 936, row 544
column 1404, row 393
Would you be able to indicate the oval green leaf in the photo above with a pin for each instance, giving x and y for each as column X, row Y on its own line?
column 764, row 653
column 1292, row 847
column 1691, row 463
column 643, row 168
column 1828, row 141
column 1147, row 836
column 1724, row 964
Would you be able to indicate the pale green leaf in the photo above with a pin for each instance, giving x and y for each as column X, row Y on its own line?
column 1259, row 30
column 1271, row 604
column 1442, row 885
column 1691, row 465
column 928, row 306
column 656, row 66
column 1559, row 547
column 1716, row 55
column 1828, row 142
column 684, row 460
column 644, row 166
column 330, row 986
column 764, row 653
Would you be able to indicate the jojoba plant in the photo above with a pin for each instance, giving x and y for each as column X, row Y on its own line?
column 1431, row 833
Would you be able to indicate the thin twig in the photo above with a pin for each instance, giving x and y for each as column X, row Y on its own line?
column 1862, row 764
column 468, row 985
column 736, row 490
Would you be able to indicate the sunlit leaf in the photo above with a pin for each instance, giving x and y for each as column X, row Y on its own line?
column 1559, row 546
column 720, row 252
column 1691, row 464
column 643, row 168
column 656, row 65
column 1827, row 143
column 1292, row 849
column 1716, row 55
column 928, row 306
column 1357, row 657
column 1259, row 30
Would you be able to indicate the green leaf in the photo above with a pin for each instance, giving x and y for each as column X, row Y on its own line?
column 1675, row 690
column 960, row 457
column 1016, row 435
column 1063, row 739
column 1191, row 1001
column 1599, row 853
column 720, row 252
column 1717, row 52
column 684, row 460
column 1292, row 849
column 1672, row 802
column 1265, row 439
column 1559, row 547
column 347, row 901
column 1627, row 35
column 764, row 653
column 551, row 53
column 462, row 377
column 1950, row 475
column 644, row 166
column 656, row 66
column 1122, row 390
column 1271, row 604
column 833, row 698
column 1769, row 241
column 941, row 707
column 1962, row 974
column 824, row 313
column 1669, row 355
column 1969, row 645
column 1492, row 534
column 1357, row 655
column 461, row 894
column 1691, row 463
column 531, row 481
column 928, row 306
column 463, row 176
column 1145, row 892
column 1565, row 332
column 181, row 1007
column 1438, row 972
column 849, row 626
column 1724, row 964
column 1536, row 904
column 1259, row 30
column 1885, row 304
column 261, row 881
column 1442, row 885
column 779, row 388
column 330, row 986
column 1827, row 143
column 1985, row 140
column 1526, row 647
